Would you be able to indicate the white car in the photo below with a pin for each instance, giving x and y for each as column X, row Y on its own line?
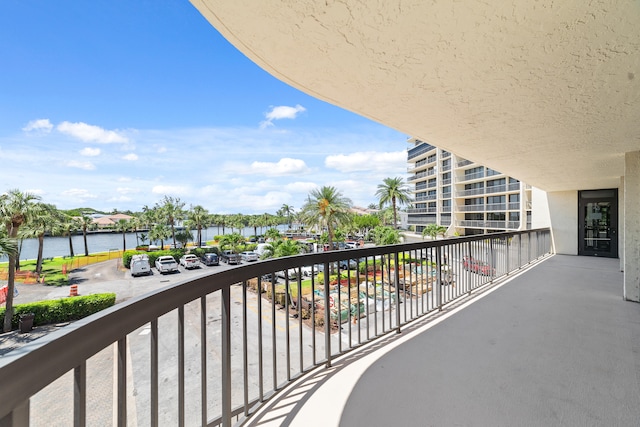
column 249, row 256
column 166, row 264
column 190, row 261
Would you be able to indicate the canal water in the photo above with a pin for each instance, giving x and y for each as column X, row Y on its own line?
column 104, row 242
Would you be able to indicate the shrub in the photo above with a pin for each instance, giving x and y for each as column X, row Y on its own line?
column 62, row 310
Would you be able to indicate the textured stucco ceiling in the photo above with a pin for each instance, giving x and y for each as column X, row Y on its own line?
column 546, row 91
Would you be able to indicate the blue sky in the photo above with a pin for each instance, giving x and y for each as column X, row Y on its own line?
column 114, row 104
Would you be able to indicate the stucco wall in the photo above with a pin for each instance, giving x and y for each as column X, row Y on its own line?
column 631, row 217
column 563, row 213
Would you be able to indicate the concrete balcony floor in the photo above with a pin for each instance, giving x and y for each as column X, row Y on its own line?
column 554, row 346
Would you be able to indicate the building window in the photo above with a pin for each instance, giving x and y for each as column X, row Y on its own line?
column 473, row 216
column 514, row 216
column 496, row 216
column 493, row 200
column 474, row 201
column 514, row 198
column 496, row 182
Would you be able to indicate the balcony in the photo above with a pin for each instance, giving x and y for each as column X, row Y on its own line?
column 471, row 176
column 419, row 150
column 530, row 351
column 214, row 340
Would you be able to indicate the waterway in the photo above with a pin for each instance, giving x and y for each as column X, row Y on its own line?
column 104, row 242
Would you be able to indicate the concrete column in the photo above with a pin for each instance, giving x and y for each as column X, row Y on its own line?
column 563, row 213
column 631, row 216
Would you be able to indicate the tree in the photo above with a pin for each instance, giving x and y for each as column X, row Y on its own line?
column 365, row 223
column 171, row 209
column 198, row 218
column 44, row 218
column 86, row 222
column 15, row 210
column 383, row 235
column 433, row 230
column 123, row 226
column 394, row 191
column 7, row 245
column 159, row 232
column 233, row 241
column 272, row 233
column 326, row 207
column 184, row 237
column 288, row 212
column 67, row 226
column 281, row 248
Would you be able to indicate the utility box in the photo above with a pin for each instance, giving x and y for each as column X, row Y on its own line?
column 26, row 322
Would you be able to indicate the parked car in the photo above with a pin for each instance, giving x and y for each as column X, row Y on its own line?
column 140, row 265
column 166, row 264
column 249, row 256
column 210, row 259
column 189, row 261
column 269, row 278
column 230, row 257
column 477, row 266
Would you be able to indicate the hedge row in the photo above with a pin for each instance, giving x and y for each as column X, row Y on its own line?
column 61, row 310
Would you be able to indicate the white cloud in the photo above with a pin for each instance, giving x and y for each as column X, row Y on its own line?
column 285, row 166
column 127, row 190
column 171, row 190
column 281, row 112
column 368, row 161
column 123, row 199
column 301, row 187
column 88, row 166
column 36, row 191
column 162, row 149
column 39, row 125
column 79, row 194
column 124, row 179
column 90, row 152
column 91, row 133
column 130, row 157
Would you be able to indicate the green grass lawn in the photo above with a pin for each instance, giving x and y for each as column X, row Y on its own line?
column 55, row 270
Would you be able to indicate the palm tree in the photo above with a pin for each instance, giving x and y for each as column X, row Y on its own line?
column 86, row 222
column 15, row 210
column 7, row 245
column 394, row 191
column 287, row 211
column 44, row 218
column 433, row 230
column 198, row 218
column 159, row 232
column 67, row 226
column 171, row 209
column 232, row 241
column 326, row 207
column 123, row 226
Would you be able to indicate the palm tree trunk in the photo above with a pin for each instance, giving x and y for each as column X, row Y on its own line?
column 124, row 241
column 40, row 248
column 70, row 245
column 395, row 215
column 84, row 236
column 11, row 285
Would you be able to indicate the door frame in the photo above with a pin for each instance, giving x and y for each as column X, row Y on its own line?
column 583, row 199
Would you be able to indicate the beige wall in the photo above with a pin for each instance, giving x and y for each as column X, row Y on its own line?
column 563, row 213
column 631, row 218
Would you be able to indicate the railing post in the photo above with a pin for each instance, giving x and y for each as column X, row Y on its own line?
column 19, row 417
column 121, row 382
column 327, row 316
column 439, row 278
column 226, row 357
column 80, row 395
column 397, row 280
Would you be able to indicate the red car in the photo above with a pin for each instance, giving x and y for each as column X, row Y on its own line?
column 477, row 266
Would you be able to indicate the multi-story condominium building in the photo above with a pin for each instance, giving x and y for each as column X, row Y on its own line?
column 464, row 196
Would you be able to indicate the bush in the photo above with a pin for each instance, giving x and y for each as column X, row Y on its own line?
column 62, row 310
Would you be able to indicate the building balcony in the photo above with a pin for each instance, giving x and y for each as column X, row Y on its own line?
column 427, row 197
column 471, row 192
column 419, row 150
column 421, row 210
column 463, row 163
column 471, row 176
column 253, row 357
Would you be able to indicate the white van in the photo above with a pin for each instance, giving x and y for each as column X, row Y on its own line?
column 140, row 265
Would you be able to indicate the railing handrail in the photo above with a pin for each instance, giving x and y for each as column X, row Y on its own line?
column 26, row 371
